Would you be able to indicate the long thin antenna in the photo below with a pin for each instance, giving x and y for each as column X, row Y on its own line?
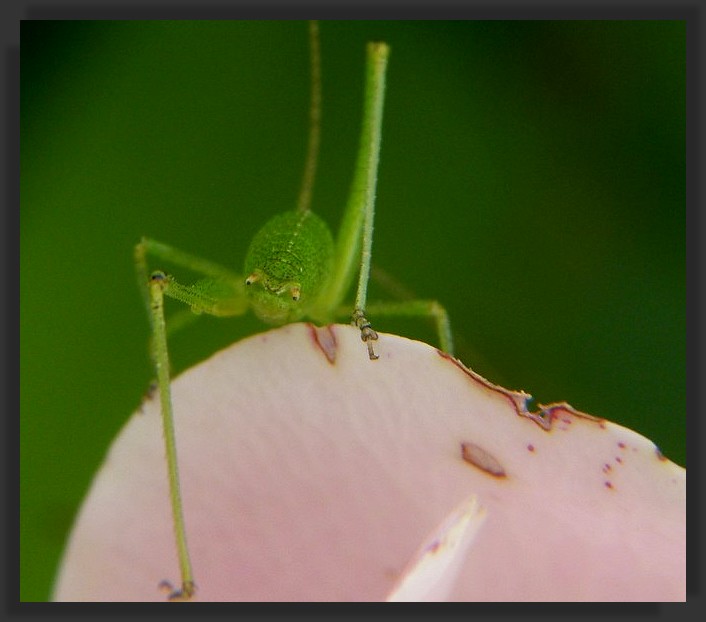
column 312, row 156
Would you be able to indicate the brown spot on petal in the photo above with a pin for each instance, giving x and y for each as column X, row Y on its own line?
column 325, row 339
column 151, row 392
column 480, row 458
column 434, row 547
column 543, row 417
column 147, row 397
column 550, row 412
column 608, row 485
column 530, row 447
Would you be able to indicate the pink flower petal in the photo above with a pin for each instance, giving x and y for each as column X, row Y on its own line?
column 433, row 572
column 312, row 473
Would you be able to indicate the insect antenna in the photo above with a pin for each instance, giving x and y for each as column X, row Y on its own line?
column 312, row 156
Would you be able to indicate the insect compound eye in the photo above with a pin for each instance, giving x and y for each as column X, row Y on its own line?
column 251, row 279
column 158, row 277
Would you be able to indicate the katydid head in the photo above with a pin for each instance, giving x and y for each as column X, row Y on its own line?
column 287, row 266
column 274, row 300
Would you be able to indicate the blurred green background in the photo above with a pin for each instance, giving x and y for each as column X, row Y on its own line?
column 532, row 179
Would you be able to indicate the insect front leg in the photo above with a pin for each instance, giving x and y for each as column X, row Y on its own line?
column 222, row 293
column 355, row 236
column 409, row 308
column 156, row 285
column 420, row 308
column 367, row 334
column 372, row 129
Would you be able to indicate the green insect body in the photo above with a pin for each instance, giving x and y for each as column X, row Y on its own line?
column 293, row 270
column 289, row 265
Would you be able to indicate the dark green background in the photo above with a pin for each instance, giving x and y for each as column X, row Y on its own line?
column 532, row 179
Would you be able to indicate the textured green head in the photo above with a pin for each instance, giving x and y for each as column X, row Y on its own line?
column 287, row 265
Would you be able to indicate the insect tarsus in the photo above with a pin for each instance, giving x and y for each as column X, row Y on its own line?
column 367, row 334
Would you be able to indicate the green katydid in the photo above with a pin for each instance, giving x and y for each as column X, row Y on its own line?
column 293, row 270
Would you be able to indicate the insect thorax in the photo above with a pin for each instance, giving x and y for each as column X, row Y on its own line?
column 287, row 265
